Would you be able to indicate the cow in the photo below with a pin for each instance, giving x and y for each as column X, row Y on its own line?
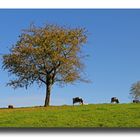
column 77, row 100
column 136, row 101
column 10, row 106
column 114, row 100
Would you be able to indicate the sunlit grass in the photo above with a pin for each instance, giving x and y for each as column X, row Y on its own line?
column 97, row 115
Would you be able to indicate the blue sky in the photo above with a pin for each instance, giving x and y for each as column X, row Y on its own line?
column 113, row 45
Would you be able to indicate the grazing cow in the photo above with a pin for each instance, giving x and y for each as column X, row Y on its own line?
column 136, row 101
column 10, row 106
column 77, row 100
column 114, row 100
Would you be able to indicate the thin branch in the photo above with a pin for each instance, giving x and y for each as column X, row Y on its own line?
column 41, row 80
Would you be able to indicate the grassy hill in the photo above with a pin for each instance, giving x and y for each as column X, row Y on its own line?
column 98, row 115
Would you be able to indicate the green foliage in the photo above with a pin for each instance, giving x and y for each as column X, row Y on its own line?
column 100, row 115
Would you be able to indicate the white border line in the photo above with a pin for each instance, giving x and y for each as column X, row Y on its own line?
column 70, row 4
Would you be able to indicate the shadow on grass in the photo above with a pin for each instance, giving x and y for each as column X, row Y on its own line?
column 70, row 130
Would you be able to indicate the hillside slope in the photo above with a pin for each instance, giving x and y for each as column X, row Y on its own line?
column 94, row 115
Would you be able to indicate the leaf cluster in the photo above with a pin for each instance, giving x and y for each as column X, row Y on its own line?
column 46, row 55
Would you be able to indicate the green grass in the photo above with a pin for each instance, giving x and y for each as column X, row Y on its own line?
column 98, row 115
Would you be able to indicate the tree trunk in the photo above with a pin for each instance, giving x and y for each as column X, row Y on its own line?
column 48, row 92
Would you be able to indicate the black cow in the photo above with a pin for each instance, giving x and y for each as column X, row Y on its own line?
column 77, row 100
column 10, row 106
column 136, row 101
column 114, row 100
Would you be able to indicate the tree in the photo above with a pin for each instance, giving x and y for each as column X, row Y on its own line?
column 46, row 55
column 135, row 90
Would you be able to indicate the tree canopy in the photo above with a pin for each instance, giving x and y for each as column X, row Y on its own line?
column 135, row 90
column 46, row 55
